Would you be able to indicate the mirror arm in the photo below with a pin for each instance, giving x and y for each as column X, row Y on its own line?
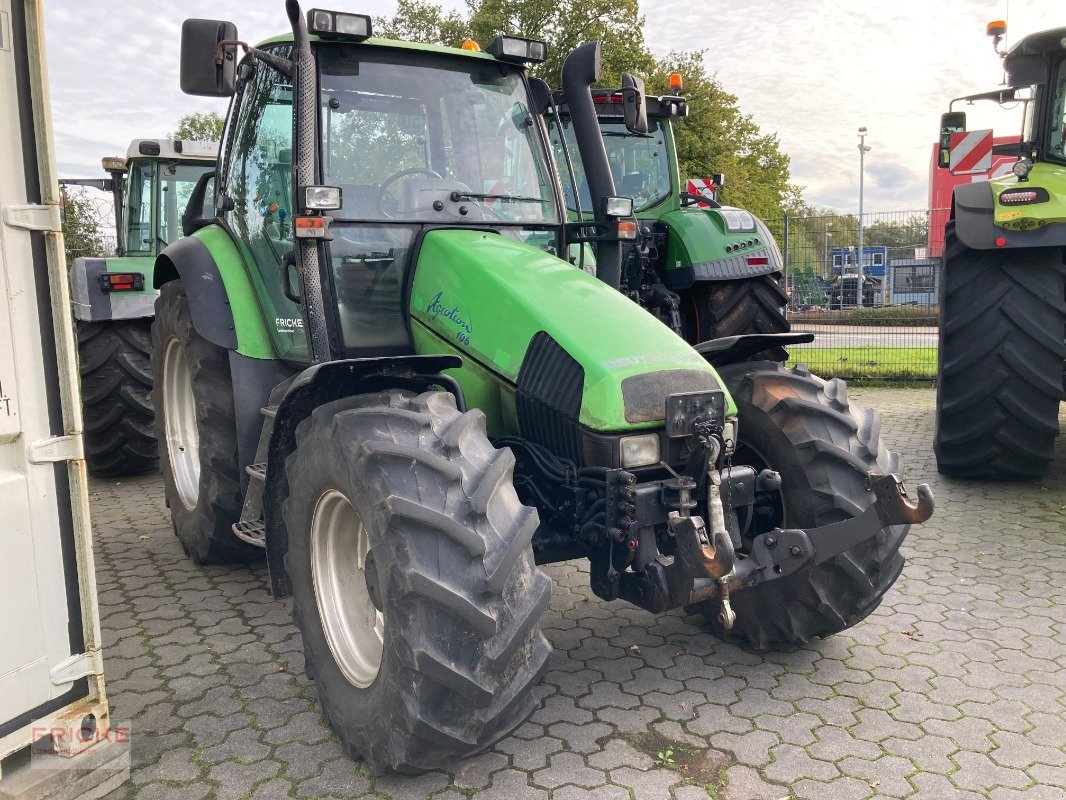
column 282, row 65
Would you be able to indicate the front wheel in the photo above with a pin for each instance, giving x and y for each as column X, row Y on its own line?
column 414, row 586
column 805, row 429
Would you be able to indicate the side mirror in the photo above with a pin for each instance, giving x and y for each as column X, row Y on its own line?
column 208, row 70
column 950, row 122
column 539, row 97
column 634, row 104
column 194, row 217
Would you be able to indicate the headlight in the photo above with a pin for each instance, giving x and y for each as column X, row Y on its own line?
column 639, row 451
column 737, row 220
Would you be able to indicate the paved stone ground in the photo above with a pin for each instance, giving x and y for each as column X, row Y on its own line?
column 954, row 688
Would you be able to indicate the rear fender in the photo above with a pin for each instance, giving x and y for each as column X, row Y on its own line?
column 314, row 387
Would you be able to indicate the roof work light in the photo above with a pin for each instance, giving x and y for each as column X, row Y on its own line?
column 335, row 25
column 522, row 51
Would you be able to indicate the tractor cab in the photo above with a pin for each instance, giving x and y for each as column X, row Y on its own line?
column 152, row 186
column 687, row 240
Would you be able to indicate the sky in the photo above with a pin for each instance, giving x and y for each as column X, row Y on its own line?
column 810, row 71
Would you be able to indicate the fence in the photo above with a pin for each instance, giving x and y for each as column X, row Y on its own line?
column 888, row 328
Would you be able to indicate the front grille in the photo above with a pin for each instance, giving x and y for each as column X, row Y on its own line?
column 548, row 398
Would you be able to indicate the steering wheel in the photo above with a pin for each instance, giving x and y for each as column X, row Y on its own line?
column 383, row 193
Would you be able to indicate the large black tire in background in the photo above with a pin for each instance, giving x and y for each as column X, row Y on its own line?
column 715, row 309
column 116, row 386
column 804, row 428
column 1002, row 351
column 415, row 521
column 197, row 431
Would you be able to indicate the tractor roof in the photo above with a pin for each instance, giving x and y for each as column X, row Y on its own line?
column 1050, row 41
column 396, row 44
column 172, row 150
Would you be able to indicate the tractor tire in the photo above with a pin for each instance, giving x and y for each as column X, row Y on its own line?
column 1002, row 351
column 197, row 431
column 414, row 586
column 733, row 308
column 116, row 386
column 805, row 429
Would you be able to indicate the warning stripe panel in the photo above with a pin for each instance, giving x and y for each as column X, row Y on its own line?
column 970, row 151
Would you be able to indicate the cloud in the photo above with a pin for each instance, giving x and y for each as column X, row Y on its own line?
column 814, row 72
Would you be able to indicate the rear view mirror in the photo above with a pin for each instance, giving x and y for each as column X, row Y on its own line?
column 207, row 69
column 539, row 97
column 195, row 216
column 634, row 104
column 950, row 122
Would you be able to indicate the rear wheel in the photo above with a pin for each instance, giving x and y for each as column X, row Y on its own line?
column 805, row 429
column 116, row 386
column 731, row 308
column 197, row 431
column 1002, row 350
column 414, row 586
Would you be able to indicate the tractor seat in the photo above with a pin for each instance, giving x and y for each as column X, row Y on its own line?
column 632, row 184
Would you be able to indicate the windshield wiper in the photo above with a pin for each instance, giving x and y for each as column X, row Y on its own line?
column 456, row 196
column 620, row 135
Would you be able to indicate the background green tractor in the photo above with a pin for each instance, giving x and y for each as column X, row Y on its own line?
column 706, row 270
column 372, row 362
column 1003, row 297
column 114, row 299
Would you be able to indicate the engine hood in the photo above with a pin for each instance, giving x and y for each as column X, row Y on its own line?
column 490, row 297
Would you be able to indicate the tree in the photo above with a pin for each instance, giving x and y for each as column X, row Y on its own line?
column 206, row 127
column 717, row 136
column 85, row 224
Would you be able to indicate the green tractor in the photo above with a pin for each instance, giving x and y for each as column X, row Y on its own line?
column 707, row 271
column 372, row 363
column 114, row 300
column 1003, row 294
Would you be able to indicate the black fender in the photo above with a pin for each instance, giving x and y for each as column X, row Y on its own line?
column 315, row 386
column 189, row 261
column 973, row 209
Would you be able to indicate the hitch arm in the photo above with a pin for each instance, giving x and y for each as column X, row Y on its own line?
column 781, row 552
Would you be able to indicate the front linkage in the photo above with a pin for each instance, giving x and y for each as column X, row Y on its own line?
column 663, row 539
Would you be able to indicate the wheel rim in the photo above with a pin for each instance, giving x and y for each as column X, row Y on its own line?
column 354, row 628
column 179, row 424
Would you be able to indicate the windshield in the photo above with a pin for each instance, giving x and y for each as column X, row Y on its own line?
column 639, row 163
column 426, row 138
column 1056, row 143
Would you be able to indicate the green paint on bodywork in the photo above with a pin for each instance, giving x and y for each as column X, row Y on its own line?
column 1024, row 217
column 253, row 340
column 488, row 294
column 698, row 235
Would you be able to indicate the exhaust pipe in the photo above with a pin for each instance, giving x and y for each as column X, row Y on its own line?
column 580, row 70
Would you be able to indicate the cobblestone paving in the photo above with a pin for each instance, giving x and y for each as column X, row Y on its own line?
column 954, row 688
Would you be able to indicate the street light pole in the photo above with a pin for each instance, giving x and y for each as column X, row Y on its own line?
column 863, row 150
